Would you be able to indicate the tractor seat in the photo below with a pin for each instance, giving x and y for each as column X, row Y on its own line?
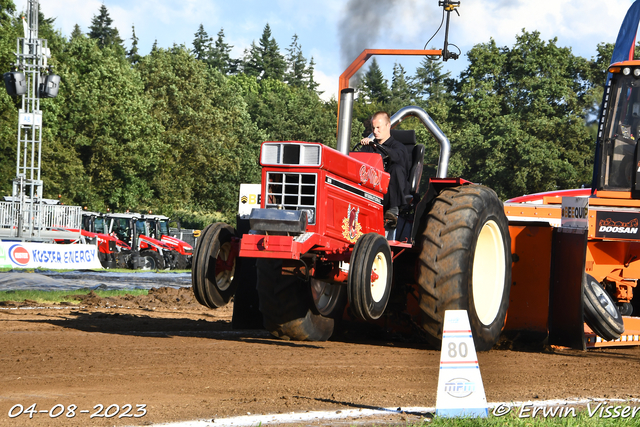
column 408, row 138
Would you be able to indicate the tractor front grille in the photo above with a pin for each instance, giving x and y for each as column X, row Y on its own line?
column 292, row 191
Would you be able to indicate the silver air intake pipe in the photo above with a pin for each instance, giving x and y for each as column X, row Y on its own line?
column 427, row 121
column 344, row 121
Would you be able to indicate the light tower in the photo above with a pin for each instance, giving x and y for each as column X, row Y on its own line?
column 26, row 216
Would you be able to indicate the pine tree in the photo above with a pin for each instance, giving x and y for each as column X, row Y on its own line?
column 430, row 83
column 400, row 89
column 374, row 85
column 252, row 64
column 296, row 75
column 76, row 33
column 220, row 58
column 201, row 44
column 273, row 63
column 311, row 83
column 102, row 31
column 132, row 54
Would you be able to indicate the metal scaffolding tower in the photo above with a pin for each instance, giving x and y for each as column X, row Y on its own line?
column 25, row 216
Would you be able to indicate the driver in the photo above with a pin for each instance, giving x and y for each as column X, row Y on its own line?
column 398, row 164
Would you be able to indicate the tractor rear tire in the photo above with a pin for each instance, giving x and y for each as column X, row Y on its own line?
column 211, row 279
column 600, row 311
column 286, row 305
column 153, row 260
column 465, row 263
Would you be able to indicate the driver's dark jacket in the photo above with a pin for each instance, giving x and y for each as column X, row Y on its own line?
column 398, row 168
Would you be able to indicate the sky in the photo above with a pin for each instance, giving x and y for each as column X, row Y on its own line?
column 334, row 32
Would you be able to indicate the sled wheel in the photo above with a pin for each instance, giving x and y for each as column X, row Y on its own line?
column 152, row 260
column 465, row 263
column 285, row 304
column 370, row 276
column 214, row 266
column 600, row 311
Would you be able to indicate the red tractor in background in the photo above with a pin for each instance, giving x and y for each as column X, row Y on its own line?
column 322, row 251
column 131, row 229
column 158, row 228
column 112, row 252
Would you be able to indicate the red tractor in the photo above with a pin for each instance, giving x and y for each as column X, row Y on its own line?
column 131, row 229
column 111, row 251
column 158, row 228
column 323, row 252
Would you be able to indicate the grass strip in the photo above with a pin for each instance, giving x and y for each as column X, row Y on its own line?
column 50, row 297
column 605, row 414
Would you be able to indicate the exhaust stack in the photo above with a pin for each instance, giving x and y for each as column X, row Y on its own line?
column 344, row 121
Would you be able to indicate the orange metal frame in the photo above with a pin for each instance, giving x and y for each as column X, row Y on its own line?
column 345, row 77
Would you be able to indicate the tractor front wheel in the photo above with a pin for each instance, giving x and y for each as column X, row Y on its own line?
column 465, row 263
column 287, row 305
column 370, row 276
column 214, row 265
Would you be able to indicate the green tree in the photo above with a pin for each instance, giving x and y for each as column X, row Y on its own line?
column 132, row 54
column 374, row 86
column 264, row 60
column 286, row 113
column 76, row 33
column 520, row 115
column 220, row 57
column 101, row 144
column 201, row 44
column 296, row 64
column 311, row 82
column 400, row 89
column 209, row 143
column 8, row 110
column 103, row 32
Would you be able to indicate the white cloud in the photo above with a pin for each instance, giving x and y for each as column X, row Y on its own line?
column 328, row 85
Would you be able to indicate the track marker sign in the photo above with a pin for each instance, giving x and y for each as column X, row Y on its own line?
column 460, row 388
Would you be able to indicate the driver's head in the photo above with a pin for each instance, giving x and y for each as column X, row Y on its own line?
column 381, row 126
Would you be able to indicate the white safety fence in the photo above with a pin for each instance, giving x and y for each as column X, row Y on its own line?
column 37, row 218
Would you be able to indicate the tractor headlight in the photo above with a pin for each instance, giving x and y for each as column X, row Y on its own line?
column 636, row 72
column 626, row 71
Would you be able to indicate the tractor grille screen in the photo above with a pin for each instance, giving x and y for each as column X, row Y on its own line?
column 274, row 153
column 292, row 191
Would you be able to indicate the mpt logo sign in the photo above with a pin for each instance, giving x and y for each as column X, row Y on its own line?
column 459, row 387
column 19, row 255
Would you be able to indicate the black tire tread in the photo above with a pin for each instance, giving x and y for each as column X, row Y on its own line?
column 445, row 260
column 202, row 274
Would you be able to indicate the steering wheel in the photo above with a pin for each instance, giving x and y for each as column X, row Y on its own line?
column 383, row 152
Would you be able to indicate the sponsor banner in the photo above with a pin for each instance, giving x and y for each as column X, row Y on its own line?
column 47, row 255
column 620, row 225
column 575, row 212
column 4, row 258
column 249, row 199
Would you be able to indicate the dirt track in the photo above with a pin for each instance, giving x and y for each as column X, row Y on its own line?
column 185, row 362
